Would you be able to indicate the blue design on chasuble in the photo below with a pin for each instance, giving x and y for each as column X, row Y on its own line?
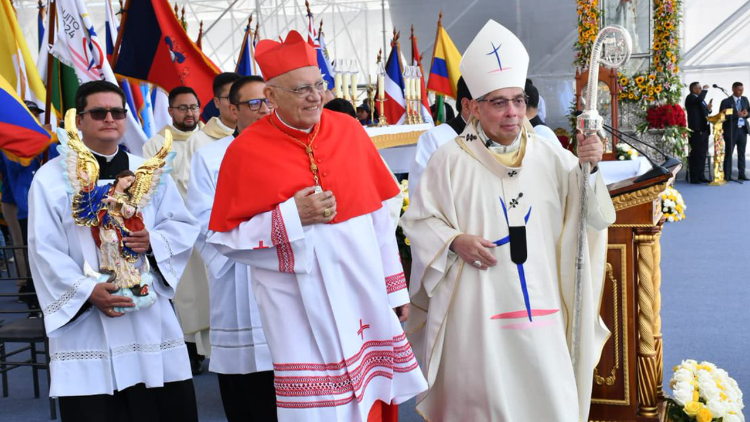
column 517, row 239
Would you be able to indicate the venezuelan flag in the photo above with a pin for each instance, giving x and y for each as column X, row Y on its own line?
column 23, row 137
column 444, row 71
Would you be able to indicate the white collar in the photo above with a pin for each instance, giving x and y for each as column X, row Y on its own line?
column 500, row 148
column 290, row 126
column 223, row 127
column 106, row 157
column 173, row 128
column 736, row 98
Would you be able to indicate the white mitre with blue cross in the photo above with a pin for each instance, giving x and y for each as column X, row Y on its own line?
column 495, row 59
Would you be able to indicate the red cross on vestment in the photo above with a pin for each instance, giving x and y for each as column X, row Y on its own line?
column 362, row 329
column 260, row 246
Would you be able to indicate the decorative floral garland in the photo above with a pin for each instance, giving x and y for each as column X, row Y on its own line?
column 659, row 86
column 661, row 83
column 588, row 28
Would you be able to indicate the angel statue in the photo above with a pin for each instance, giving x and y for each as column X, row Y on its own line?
column 113, row 212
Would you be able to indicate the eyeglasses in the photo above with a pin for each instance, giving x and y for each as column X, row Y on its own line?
column 101, row 113
column 255, row 104
column 305, row 90
column 501, row 104
column 186, row 108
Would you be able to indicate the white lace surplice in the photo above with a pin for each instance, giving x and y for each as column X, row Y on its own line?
column 92, row 353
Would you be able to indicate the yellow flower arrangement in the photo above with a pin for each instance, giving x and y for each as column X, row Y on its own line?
column 703, row 393
column 672, row 205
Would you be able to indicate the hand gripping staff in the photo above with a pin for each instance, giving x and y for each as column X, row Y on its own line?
column 612, row 49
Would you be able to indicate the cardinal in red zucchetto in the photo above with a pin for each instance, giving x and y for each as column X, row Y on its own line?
column 301, row 199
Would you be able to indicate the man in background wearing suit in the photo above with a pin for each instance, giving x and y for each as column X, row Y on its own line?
column 735, row 131
column 697, row 111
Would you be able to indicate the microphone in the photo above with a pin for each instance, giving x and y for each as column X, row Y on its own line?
column 656, row 169
column 722, row 89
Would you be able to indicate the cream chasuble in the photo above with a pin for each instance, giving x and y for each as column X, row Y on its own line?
column 494, row 344
column 191, row 299
column 214, row 130
column 181, row 172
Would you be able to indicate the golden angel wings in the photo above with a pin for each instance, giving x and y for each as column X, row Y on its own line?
column 149, row 174
column 83, row 169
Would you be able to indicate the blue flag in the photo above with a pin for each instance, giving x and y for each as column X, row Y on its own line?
column 245, row 62
column 324, row 62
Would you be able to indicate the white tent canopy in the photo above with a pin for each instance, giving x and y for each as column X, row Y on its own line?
column 714, row 33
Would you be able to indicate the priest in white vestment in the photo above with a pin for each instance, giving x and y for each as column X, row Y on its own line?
column 109, row 365
column 239, row 351
column 301, row 199
column 493, row 243
column 218, row 127
column 429, row 141
column 191, row 299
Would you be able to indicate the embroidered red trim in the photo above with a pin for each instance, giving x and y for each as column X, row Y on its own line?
column 332, row 403
column 333, row 366
column 339, row 384
column 372, row 363
column 395, row 282
column 280, row 239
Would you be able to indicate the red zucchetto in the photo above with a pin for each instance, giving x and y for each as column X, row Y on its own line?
column 275, row 58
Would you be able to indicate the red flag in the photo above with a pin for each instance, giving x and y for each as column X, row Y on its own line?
column 155, row 48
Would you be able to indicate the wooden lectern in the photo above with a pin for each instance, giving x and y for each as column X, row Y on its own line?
column 628, row 379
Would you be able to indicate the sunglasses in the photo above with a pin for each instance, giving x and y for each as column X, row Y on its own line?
column 101, row 113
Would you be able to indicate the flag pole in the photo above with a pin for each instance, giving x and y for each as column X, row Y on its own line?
column 248, row 30
column 199, row 42
column 252, row 46
column 438, row 102
column 437, row 35
column 116, row 52
column 50, row 60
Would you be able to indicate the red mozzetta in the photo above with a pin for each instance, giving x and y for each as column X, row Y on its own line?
column 264, row 167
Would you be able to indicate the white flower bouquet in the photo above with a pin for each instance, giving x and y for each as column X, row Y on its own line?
column 704, row 393
column 625, row 151
column 672, row 204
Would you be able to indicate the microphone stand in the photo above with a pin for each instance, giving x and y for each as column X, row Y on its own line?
column 656, row 169
column 722, row 89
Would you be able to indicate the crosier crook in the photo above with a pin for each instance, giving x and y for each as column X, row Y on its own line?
column 616, row 44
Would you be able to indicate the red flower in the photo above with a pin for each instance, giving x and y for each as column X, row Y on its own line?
column 659, row 117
